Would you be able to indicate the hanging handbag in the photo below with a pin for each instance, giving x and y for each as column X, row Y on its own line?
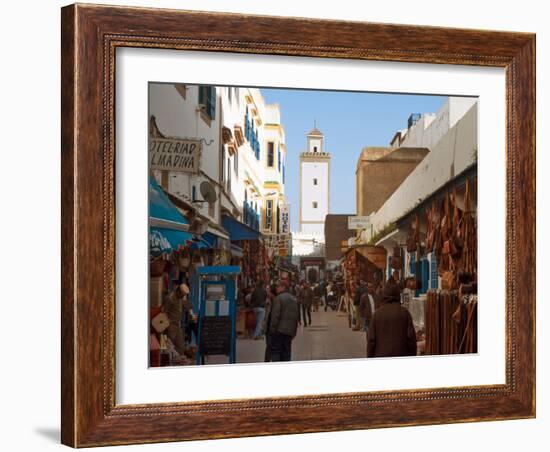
column 396, row 263
column 411, row 244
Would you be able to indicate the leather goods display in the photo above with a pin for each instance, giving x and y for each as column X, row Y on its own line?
column 414, row 238
column 358, row 267
column 157, row 266
column 451, row 323
column 396, row 263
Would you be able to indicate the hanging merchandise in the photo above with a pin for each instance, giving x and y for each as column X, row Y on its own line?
column 451, row 323
column 413, row 239
column 396, row 261
column 184, row 260
column 160, row 322
column 468, row 233
column 157, row 266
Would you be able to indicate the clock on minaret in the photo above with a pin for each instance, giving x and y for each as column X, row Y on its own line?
column 314, row 184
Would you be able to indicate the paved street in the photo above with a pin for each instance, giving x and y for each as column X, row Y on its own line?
column 328, row 337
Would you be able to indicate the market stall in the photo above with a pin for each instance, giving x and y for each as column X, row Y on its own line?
column 449, row 253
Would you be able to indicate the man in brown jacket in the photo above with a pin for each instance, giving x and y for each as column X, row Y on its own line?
column 391, row 331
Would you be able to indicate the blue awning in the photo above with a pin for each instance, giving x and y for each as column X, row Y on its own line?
column 199, row 244
column 162, row 212
column 167, row 226
column 238, row 230
column 164, row 241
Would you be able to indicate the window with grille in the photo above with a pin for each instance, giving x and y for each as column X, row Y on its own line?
column 270, row 154
column 269, row 214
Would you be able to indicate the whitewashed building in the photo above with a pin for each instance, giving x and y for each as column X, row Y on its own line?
column 450, row 162
column 242, row 156
column 308, row 243
column 193, row 112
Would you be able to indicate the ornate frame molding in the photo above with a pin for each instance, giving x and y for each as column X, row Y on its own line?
column 90, row 37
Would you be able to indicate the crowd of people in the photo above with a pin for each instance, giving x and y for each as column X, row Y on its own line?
column 281, row 307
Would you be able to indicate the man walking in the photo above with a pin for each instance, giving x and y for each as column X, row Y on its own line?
column 306, row 300
column 391, row 331
column 257, row 301
column 283, row 323
column 360, row 289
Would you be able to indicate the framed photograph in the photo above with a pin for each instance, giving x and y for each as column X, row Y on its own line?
column 282, row 225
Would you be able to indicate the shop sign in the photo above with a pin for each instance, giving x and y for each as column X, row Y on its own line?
column 216, row 335
column 284, row 212
column 174, row 154
column 359, row 222
column 283, row 241
column 159, row 244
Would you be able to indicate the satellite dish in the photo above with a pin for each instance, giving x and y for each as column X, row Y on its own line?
column 208, row 192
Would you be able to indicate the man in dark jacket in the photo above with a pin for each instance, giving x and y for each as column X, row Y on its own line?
column 391, row 331
column 360, row 290
column 257, row 301
column 306, row 300
column 283, row 323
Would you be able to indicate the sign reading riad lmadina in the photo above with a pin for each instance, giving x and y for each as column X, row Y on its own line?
column 174, row 154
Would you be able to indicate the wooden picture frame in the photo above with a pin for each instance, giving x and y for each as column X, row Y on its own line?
column 90, row 36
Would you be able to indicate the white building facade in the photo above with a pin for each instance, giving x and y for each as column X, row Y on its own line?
column 243, row 152
column 314, row 197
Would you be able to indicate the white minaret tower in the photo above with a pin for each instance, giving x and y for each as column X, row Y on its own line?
column 314, row 184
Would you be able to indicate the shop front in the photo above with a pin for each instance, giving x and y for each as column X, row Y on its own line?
column 439, row 267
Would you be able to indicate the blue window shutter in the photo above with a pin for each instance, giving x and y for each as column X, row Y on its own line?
column 211, row 102
column 425, row 275
column 434, row 279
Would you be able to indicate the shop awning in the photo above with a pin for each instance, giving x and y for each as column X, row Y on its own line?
column 238, row 230
column 162, row 212
column 164, row 240
column 199, row 244
column 167, row 226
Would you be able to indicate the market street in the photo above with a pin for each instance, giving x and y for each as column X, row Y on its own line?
column 328, row 337
column 264, row 226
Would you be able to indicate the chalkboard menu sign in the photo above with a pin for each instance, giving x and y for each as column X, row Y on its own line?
column 216, row 335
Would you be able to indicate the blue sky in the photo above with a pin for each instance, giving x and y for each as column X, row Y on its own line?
column 349, row 121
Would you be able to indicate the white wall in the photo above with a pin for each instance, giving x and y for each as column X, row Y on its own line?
column 30, row 383
column 431, row 127
column 456, row 149
column 178, row 117
column 313, row 142
column 314, row 193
